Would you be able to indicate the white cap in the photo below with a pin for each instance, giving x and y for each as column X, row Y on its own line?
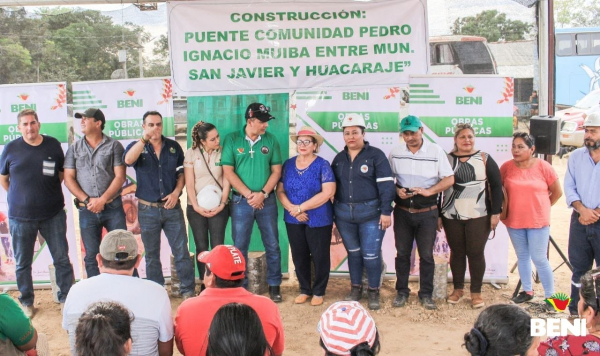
column 209, row 197
column 353, row 119
column 592, row 119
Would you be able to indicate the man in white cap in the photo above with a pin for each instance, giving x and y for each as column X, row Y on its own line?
column 582, row 193
column 148, row 302
column 95, row 173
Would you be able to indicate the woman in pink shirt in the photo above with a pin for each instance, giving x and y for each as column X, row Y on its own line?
column 532, row 187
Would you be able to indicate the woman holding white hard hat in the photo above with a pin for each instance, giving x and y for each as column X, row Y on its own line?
column 207, row 189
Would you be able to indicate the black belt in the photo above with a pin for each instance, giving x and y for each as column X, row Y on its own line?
column 237, row 194
column 158, row 204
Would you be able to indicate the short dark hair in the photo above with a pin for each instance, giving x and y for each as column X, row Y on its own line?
column 235, row 330
column 119, row 265
column 527, row 138
column 362, row 349
column 27, row 112
column 590, row 289
column 152, row 112
column 225, row 283
column 103, row 329
column 505, row 328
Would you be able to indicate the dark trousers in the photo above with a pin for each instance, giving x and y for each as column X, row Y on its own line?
column 467, row 239
column 305, row 242
column 205, row 229
column 584, row 249
column 409, row 227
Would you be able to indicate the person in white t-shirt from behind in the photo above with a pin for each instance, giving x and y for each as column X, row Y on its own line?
column 152, row 328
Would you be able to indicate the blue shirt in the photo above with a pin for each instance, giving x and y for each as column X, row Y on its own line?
column 157, row 178
column 367, row 178
column 35, row 191
column 581, row 179
column 302, row 185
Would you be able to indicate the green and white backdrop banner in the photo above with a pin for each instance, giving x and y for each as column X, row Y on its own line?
column 441, row 102
column 124, row 103
column 49, row 100
column 486, row 102
column 235, row 47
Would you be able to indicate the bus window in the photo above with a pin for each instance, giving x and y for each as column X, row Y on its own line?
column 564, row 47
column 583, row 43
column 595, row 43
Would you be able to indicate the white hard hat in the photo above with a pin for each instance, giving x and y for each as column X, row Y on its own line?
column 592, row 119
column 353, row 119
column 209, row 197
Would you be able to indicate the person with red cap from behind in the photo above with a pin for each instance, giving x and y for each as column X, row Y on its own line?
column 347, row 328
column 224, row 278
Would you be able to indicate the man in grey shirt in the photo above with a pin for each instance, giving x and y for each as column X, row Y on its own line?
column 95, row 173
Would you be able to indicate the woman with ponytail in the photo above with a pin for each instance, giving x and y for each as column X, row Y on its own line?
column 204, row 178
column 104, row 329
column 347, row 328
column 502, row 330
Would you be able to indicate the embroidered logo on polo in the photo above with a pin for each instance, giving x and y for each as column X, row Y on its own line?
column 240, row 150
column 172, row 150
column 364, row 168
column 264, row 150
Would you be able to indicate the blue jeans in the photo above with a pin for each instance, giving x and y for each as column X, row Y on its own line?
column 584, row 249
column 532, row 245
column 91, row 224
column 54, row 231
column 152, row 221
column 242, row 222
column 362, row 236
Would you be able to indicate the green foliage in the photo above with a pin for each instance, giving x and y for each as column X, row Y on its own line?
column 577, row 13
column 63, row 44
column 492, row 25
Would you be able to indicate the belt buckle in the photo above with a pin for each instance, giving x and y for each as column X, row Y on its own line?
column 412, row 211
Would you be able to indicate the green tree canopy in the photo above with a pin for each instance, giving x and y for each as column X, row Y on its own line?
column 577, row 13
column 492, row 25
column 64, row 44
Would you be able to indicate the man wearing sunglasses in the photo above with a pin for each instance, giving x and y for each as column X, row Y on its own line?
column 251, row 162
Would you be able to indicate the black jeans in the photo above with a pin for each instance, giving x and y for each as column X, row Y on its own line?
column 584, row 250
column 467, row 239
column 304, row 243
column 409, row 227
column 202, row 227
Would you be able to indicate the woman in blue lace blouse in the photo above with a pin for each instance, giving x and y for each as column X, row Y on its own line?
column 306, row 186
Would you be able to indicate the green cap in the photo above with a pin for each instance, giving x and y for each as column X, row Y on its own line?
column 410, row 123
column 119, row 245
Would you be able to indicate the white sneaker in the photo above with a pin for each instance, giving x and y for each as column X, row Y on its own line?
column 28, row 310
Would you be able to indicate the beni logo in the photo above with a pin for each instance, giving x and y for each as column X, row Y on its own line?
column 560, row 301
column 129, row 92
column 469, row 89
column 558, row 327
column 121, row 104
column 23, row 96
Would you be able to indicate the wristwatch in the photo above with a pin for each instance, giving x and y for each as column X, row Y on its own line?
column 265, row 193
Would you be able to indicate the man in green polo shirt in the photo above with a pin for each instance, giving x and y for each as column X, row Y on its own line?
column 251, row 162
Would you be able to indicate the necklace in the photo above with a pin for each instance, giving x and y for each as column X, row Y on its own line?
column 301, row 171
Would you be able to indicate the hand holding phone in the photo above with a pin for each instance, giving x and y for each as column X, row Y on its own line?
column 409, row 192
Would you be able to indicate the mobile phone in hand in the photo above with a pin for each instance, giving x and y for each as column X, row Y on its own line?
column 409, row 192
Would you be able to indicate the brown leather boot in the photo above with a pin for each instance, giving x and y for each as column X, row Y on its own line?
column 477, row 301
column 454, row 298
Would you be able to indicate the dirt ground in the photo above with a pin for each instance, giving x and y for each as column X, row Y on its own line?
column 406, row 331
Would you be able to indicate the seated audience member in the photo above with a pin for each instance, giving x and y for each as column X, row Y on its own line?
column 236, row 331
column 502, row 330
column 104, row 329
column 147, row 301
column 17, row 335
column 346, row 328
column 587, row 307
column 224, row 279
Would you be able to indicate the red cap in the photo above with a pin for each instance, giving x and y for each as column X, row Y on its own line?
column 227, row 262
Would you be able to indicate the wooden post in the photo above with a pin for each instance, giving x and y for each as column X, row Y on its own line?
column 256, row 271
column 440, row 279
